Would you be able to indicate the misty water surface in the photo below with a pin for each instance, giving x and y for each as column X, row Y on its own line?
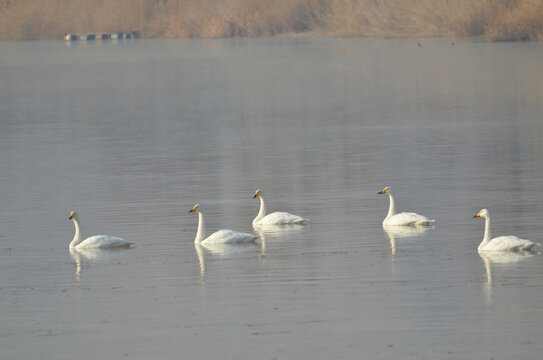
column 133, row 134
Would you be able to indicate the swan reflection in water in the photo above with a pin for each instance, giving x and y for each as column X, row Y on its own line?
column 503, row 260
column 274, row 231
column 89, row 255
column 403, row 232
column 205, row 252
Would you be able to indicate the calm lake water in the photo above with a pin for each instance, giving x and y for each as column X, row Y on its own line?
column 133, row 134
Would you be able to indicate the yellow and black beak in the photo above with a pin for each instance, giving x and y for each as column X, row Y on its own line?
column 384, row 191
column 256, row 194
column 70, row 217
column 477, row 215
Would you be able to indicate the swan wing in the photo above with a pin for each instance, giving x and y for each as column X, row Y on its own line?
column 103, row 242
column 229, row 237
column 278, row 218
column 509, row 243
column 408, row 219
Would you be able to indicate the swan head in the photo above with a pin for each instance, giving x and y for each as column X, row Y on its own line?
column 386, row 190
column 257, row 193
column 73, row 216
column 483, row 213
column 195, row 208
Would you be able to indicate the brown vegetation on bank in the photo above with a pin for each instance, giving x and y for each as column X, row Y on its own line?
column 493, row 19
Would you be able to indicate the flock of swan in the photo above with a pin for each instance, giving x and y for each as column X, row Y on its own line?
column 409, row 219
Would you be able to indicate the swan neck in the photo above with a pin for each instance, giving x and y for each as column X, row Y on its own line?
column 201, row 228
column 262, row 211
column 391, row 208
column 77, row 236
column 486, row 237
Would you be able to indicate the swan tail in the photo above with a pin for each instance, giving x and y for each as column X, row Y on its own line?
column 425, row 222
column 530, row 246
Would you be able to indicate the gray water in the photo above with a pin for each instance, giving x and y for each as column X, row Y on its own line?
column 133, row 134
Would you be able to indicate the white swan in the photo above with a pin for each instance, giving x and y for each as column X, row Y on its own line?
column 404, row 218
column 221, row 236
column 503, row 243
column 275, row 218
column 97, row 241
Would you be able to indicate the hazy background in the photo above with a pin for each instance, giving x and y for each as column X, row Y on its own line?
column 493, row 19
column 132, row 133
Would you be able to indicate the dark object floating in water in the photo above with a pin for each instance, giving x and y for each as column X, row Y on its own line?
column 102, row 36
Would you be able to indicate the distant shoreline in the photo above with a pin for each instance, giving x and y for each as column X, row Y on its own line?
column 323, row 35
column 493, row 20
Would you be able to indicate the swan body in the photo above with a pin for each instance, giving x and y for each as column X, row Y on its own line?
column 501, row 243
column 404, row 218
column 96, row 241
column 275, row 218
column 221, row 236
